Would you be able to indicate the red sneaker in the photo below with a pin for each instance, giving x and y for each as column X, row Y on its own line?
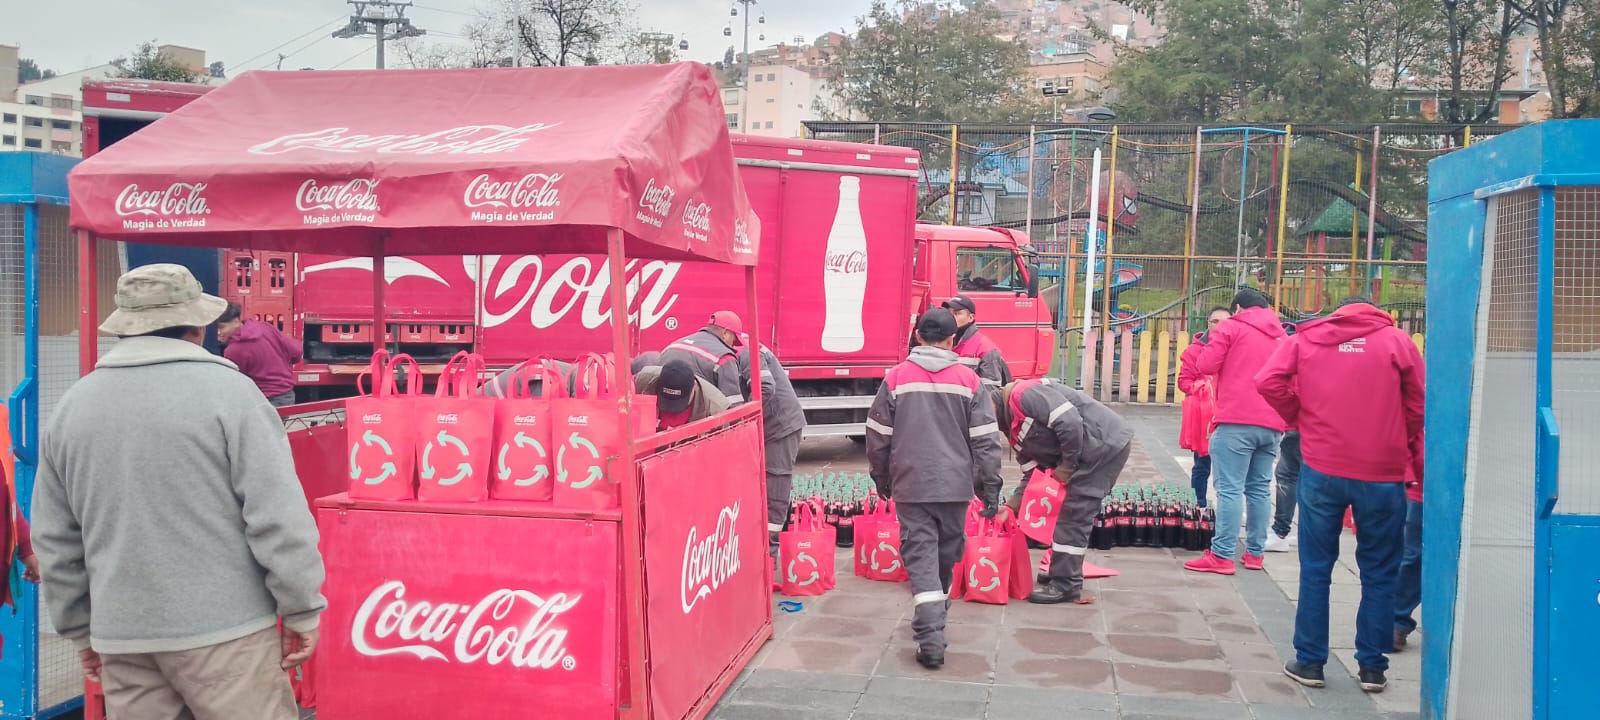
column 1253, row 562
column 1210, row 563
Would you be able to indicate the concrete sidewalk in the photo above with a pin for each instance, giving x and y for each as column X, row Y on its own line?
column 1159, row 642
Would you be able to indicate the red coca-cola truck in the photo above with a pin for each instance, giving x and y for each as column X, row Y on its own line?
column 844, row 272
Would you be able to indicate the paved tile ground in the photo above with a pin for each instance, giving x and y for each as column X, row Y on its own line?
column 1160, row 643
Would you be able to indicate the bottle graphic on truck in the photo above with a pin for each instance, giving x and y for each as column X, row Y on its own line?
column 844, row 274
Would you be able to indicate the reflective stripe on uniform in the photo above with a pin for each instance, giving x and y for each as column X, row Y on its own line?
column 987, row 381
column 1027, row 427
column 933, row 387
column 1029, row 466
column 923, row 598
column 774, row 527
column 1069, row 549
column 694, row 349
column 1063, row 409
column 983, row 430
column 969, row 361
column 879, row 427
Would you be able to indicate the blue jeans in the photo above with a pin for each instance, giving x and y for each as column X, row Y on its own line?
column 1241, row 466
column 1408, row 592
column 1200, row 477
column 1379, row 510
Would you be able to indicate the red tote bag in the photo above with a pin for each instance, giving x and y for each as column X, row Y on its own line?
column 1041, row 505
column 382, row 433
column 523, row 458
column 865, row 525
column 455, row 435
column 587, row 435
column 806, row 556
column 987, row 563
column 1021, row 581
column 880, row 546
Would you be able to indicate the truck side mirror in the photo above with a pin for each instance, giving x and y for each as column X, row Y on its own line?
column 1033, row 279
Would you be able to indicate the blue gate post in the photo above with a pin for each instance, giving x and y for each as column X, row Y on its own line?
column 1513, row 337
column 29, row 180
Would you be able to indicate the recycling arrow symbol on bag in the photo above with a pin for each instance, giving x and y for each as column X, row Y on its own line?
column 994, row 580
column 893, row 566
column 794, row 578
column 386, row 470
column 540, row 472
column 1038, row 519
column 576, row 441
column 463, row 471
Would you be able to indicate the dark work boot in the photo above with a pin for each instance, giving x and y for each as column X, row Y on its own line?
column 1051, row 593
column 930, row 659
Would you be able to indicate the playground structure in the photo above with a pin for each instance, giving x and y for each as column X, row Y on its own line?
column 1309, row 214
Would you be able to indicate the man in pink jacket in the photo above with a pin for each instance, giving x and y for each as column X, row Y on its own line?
column 1248, row 430
column 1353, row 385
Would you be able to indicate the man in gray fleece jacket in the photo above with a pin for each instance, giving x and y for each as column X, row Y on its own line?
column 173, row 531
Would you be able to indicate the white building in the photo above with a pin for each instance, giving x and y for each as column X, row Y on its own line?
column 47, row 115
column 781, row 98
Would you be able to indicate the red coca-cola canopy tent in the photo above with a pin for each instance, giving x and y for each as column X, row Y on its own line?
column 434, row 162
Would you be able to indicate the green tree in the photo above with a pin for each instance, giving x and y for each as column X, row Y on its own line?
column 1475, row 67
column 1240, row 60
column 935, row 62
column 147, row 62
column 28, row 71
column 1575, row 76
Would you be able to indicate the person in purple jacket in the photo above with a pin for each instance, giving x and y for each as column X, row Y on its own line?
column 262, row 353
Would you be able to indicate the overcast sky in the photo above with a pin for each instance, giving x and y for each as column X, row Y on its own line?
column 62, row 36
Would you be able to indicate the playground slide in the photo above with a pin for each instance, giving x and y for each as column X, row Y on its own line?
column 1124, row 276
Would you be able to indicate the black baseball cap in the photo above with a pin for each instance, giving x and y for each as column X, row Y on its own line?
column 961, row 302
column 936, row 324
column 675, row 386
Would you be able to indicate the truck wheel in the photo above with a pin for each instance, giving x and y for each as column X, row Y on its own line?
column 858, row 439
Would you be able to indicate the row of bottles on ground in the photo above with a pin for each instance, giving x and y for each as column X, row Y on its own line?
column 1163, row 516
column 842, row 495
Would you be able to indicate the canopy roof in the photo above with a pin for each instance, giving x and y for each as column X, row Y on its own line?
column 433, row 162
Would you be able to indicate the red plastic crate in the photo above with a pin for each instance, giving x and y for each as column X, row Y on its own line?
column 346, row 333
column 409, row 333
column 277, row 313
column 275, row 276
column 241, row 274
column 452, row 333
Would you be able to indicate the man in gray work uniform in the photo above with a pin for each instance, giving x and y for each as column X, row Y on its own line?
column 783, row 424
column 932, row 443
column 711, row 353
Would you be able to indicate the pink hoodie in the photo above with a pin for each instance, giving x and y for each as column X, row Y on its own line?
column 1238, row 349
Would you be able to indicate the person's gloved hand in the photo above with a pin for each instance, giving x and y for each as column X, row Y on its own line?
column 989, row 510
column 883, row 488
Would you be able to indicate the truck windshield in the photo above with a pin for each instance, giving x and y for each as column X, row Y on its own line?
column 987, row 269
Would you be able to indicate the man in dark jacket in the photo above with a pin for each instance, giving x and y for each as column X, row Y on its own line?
column 1353, row 384
column 711, row 353
column 681, row 396
column 262, row 352
column 975, row 349
column 783, row 422
column 1055, row 427
column 527, row 374
column 932, row 443
column 1245, row 442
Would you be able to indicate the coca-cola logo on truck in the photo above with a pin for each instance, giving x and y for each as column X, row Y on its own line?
column 460, row 140
column 849, row 263
column 655, row 203
column 533, row 197
column 506, row 626
column 697, row 221
column 348, row 201
column 710, row 561
column 179, row 205
column 523, row 287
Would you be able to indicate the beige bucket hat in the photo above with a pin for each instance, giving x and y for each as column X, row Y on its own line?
column 160, row 296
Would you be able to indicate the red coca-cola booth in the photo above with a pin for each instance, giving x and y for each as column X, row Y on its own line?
column 493, row 608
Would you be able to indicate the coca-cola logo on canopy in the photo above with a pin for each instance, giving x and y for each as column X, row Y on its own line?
column 506, row 626
column 524, row 287
column 697, row 220
column 710, row 561
column 848, row 263
column 460, row 140
column 175, row 200
column 656, row 202
column 357, row 194
column 533, row 190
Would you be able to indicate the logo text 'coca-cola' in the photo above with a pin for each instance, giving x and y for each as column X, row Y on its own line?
column 846, row 262
column 533, row 190
column 547, row 298
column 709, row 562
column 358, row 194
column 175, row 200
column 506, row 626
column 657, row 198
column 460, row 140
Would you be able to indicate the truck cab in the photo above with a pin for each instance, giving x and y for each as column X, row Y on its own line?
column 987, row 265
